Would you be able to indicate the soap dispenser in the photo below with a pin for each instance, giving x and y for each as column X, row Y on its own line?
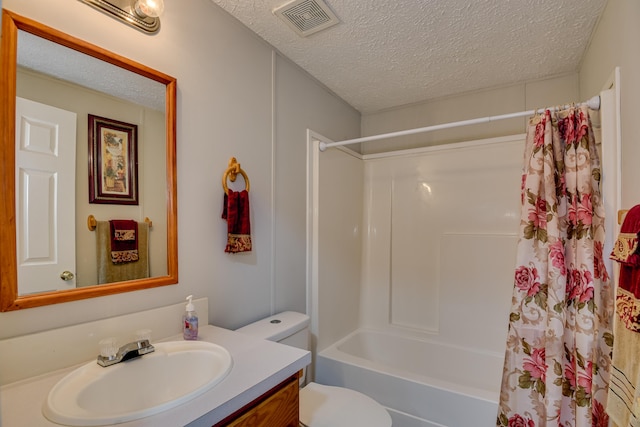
column 190, row 321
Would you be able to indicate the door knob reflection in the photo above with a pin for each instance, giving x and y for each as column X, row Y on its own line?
column 67, row 275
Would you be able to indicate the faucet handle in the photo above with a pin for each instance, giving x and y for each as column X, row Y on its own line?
column 108, row 348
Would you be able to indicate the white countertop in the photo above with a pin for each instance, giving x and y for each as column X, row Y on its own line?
column 258, row 366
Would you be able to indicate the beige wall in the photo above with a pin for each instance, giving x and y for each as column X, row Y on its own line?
column 466, row 106
column 299, row 106
column 615, row 43
column 236, row 97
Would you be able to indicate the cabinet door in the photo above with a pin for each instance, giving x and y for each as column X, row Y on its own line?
column 279, row 409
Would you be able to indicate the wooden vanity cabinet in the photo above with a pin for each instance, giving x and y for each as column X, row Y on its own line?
column 279, row 407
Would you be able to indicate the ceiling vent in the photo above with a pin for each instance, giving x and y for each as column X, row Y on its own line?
column 306, row 17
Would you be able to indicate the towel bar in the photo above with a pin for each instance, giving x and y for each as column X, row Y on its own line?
column 92, row 223
column 232, row 173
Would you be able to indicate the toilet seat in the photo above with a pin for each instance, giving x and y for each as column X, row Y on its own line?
column 327, row 406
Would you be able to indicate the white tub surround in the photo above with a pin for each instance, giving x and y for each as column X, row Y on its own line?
column 258, row 366
column 418, row 247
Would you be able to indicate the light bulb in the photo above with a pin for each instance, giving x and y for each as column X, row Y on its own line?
column 151, row 8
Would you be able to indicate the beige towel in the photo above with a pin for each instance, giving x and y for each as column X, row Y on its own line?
column 108, row 272
column 623, row 405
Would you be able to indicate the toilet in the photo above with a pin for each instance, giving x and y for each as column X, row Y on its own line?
column 320, row 405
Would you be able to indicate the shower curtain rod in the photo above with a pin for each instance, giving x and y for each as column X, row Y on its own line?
column 593, row 103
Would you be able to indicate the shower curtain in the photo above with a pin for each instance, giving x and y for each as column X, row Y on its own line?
column 559, row 342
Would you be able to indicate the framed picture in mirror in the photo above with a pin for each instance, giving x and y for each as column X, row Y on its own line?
column 113, row 161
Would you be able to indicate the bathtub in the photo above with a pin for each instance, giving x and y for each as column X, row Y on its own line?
column 421, row 383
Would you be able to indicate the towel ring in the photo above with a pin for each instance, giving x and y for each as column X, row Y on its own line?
column 621, row 214
column 232, row 173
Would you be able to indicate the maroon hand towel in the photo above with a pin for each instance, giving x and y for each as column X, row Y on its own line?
column 625, row 251
column 124, row 240
column 236, row 212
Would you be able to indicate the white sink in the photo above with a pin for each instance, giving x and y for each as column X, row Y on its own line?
column 175, row 373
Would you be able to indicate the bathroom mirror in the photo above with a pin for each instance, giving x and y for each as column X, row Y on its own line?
column 136, row 84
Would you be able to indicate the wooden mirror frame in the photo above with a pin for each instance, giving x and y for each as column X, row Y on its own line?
column 9, row 297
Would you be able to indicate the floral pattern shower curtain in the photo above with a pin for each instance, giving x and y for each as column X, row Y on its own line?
column 559, row 343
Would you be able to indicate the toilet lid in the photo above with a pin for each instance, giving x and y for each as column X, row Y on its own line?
column 327, row 406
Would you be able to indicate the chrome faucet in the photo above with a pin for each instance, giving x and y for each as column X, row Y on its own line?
column 126, row 352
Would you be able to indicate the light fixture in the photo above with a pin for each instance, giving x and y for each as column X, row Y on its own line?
column 141, row 14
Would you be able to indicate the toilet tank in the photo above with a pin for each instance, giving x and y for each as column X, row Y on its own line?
column 289, row 327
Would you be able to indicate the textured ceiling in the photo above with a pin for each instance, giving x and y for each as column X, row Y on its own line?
column 387, row 53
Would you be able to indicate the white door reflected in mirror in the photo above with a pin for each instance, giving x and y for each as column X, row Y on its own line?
column 45, row 197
